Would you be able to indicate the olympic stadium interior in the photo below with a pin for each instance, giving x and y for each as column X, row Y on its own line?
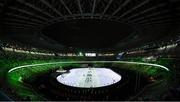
column 89, row 50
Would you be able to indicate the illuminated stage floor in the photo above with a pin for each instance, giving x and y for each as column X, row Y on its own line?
column 89, row 77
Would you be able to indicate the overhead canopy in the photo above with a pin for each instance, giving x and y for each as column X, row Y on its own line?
column 88, row 23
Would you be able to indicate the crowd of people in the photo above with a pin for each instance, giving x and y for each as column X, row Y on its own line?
column 164, row 48
column 25, row 49
column 168, row 48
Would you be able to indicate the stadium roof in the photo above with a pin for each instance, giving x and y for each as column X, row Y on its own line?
column 56, row 24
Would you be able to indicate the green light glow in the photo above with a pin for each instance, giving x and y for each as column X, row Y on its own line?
column 16, row 78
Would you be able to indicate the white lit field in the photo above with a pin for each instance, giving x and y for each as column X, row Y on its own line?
column 89, row 77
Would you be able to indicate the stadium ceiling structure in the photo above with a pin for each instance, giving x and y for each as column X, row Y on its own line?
column 141, row 21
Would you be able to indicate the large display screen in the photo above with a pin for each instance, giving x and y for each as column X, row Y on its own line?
column 90, row 54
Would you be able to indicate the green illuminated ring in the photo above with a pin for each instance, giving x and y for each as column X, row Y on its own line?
column 126, row 62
